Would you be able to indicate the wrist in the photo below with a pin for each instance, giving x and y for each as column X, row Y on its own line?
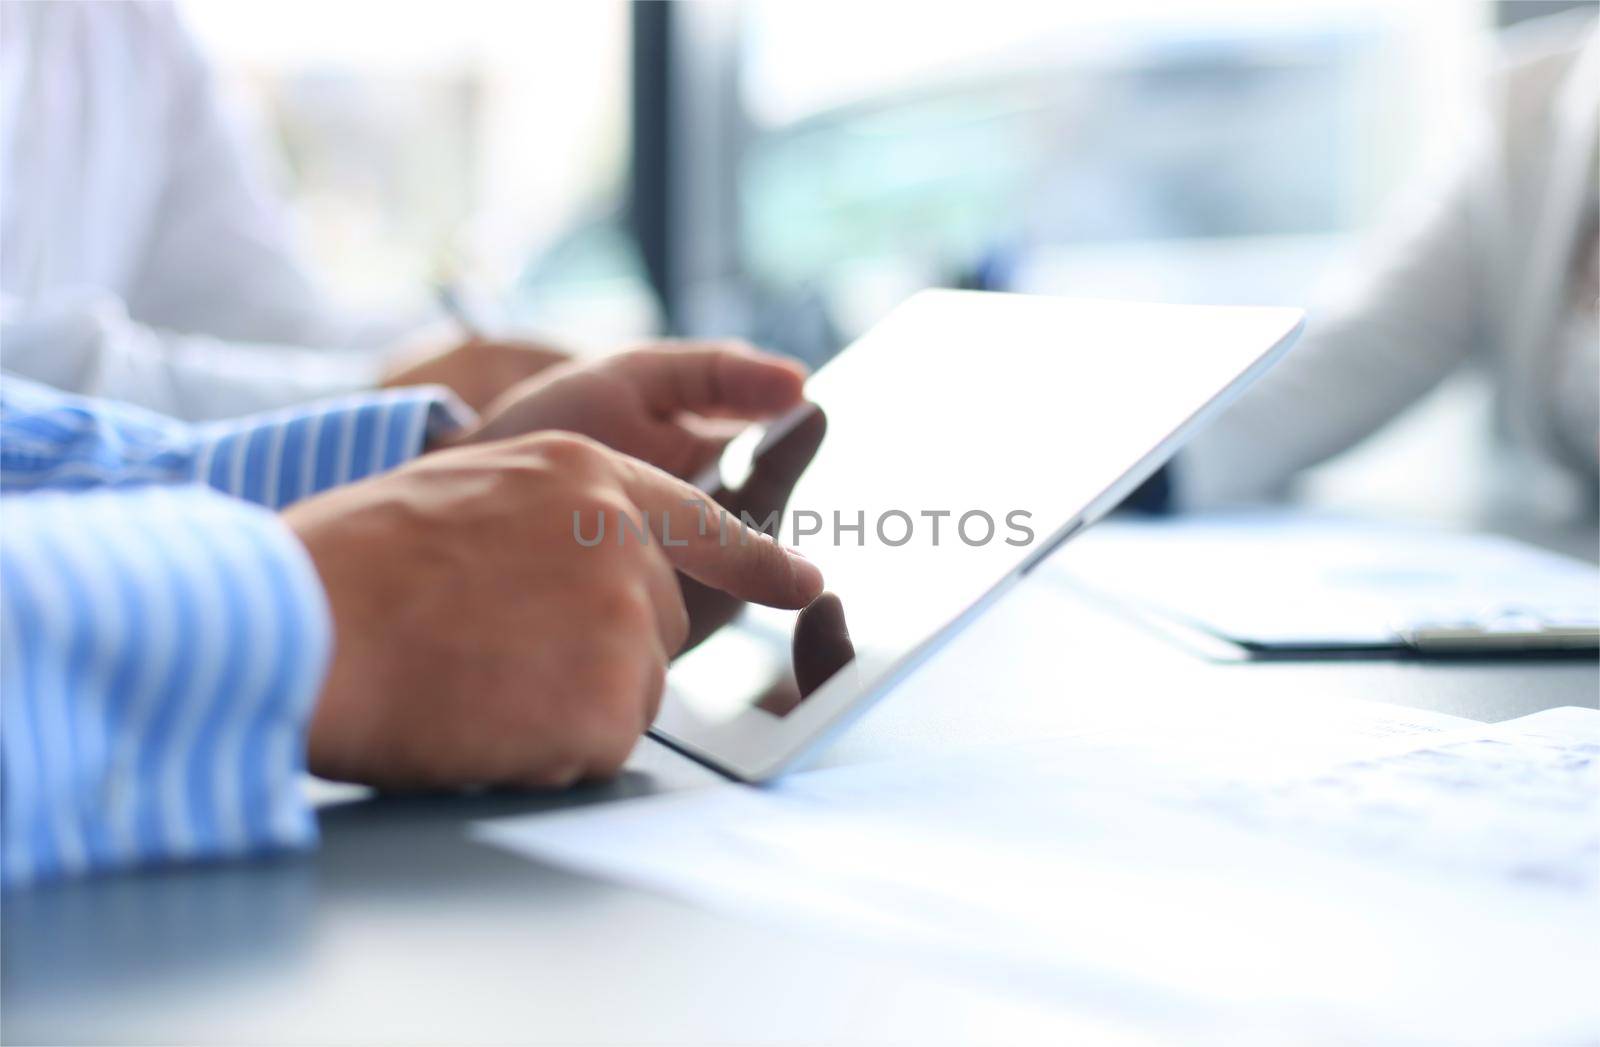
column 450, row 422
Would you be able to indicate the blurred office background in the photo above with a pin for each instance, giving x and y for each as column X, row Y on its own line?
column 788, row 171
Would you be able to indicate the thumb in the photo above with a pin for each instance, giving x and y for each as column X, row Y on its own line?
column 715, row 378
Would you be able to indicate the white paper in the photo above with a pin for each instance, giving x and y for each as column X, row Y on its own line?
column 1365, row 872
column 1286, row 579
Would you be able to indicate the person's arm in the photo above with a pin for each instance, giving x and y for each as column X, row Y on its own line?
column 478, row 641
column 162, row 643
column 85, row 341
column 218, row 315
column 1409, row 315
column 222, row 256
column 214, row 313
column 160, row 652
column 56, row 441
column 222, row 260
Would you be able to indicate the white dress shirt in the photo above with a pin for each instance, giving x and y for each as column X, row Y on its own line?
column 143, row 256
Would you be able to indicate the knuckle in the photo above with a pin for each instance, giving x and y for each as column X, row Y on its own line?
column 650, row 352
column 620, row 609
column 605, row 675
column 594, row 513
column 620, row 721
column 615, row 722
column 557, row 774
column 655, row 678
column 571, row 451
column 679, row 626
column 615, row 502
column 598, row 503
column 609, row 761
column 767, row 558
column 655, row 687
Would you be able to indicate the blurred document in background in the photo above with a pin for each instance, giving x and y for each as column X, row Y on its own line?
column 1276, row 872
column 1270, row 581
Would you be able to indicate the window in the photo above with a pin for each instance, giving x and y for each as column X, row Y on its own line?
column 430, row 140
column 1196, row 151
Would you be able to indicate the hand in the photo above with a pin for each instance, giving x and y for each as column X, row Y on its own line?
column 765, row 492
column 477, row 370
column 479, row 643
column 661, row 403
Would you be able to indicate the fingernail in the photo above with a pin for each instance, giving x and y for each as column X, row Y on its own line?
column 807, row 575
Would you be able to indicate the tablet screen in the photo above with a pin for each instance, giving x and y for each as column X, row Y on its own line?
column 937, row 454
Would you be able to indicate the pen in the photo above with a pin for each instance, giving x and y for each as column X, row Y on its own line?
column 450, row 299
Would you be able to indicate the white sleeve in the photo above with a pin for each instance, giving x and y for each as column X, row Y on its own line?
column 221, row 256
column 1409, row 315
column 85, row 342
column 220, row 318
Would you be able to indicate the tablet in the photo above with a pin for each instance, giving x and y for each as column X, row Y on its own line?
column 940, row 457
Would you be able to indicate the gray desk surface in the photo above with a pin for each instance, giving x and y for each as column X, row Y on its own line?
column 402, row 929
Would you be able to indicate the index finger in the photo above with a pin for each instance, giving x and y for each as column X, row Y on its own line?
column 725, row 378
column 716, row 549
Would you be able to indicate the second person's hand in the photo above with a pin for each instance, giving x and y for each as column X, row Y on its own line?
column 478, row 370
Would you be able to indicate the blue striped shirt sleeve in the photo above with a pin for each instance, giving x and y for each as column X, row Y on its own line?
column 53, row 441
column 162, row 639
column 160, row 652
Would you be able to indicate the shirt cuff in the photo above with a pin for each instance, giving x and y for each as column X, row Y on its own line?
column 162, row 652
column 279, row 458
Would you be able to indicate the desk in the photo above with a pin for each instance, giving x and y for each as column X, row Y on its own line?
column 402, row 929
